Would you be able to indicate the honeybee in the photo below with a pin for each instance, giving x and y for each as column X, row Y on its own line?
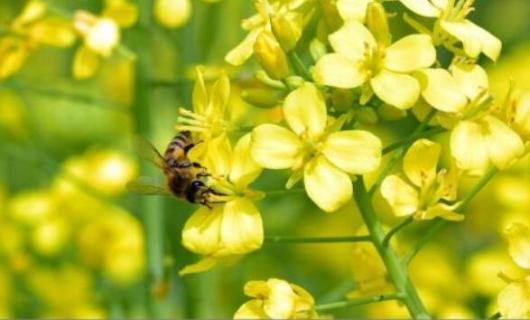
column 185, row 179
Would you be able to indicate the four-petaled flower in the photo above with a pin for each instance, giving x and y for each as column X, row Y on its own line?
column 423, row 196
column 360, row 59
column 323, row 156
column 276, row 299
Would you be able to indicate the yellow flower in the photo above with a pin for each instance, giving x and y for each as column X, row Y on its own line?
column 428, row 186
column 359, row 58
column 320, row 154
column 353, row 9
column 172, row 13
column 517, row 113
column 514, row 299
column 234, row 226
column 295, row 12
column 101, row 35
column 451, row 20
column 30, row 30
column 276, row 299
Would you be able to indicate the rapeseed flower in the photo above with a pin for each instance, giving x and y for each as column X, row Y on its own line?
column 362, row 58
column 233, row 225
column 276, row 299
column 317, row 152
column 425, row 195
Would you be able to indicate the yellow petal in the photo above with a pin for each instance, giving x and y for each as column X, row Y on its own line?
column 351, row 41
column 200, row 95
column 53, row 32
column 201, row 266
column 251, row 310
column 124, row 13
column 172, row 13
column 103, row 37
column 275, row 147
column 338, row 71
column 443, row 211
column 244, row 168
column 32, row 11
column 399, row 90
column 217, row 156
column 86, row 63
column 514, row 300
column 468, row 147
column 420, row 161
column 219, row 97
column 305, row 111
column 410, row 53
column 353, row 9
column 280, row 303
column 474, row 38
column 354, row 151
column 521, row 116
column 241, row 227
column 13, row 54
column 256, row 289
column 244, row 50
column 327, row 186
column 519, row 239
column 441, row 90
column 422, row 7
column 201, row 233
column 401, row 196
column 471, row 79
column 503, row 144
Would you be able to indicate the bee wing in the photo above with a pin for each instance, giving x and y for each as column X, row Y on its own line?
column 148, row 186
column 147, row 151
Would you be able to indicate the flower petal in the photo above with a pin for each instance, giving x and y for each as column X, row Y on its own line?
column 503, row 144
column 217, row 156
column 86, row 63
column 200, row 95
column 275, row 147
column 201, row 233
column 513, row 300
column 441, row 90
column 420, row 161
column 521, row 116
column 399, row 90
column 337, row 71
column 251, row 310
column 401, row 196
column 354, row 151
column 256, row 289
column 468, row 147
column 443, row 211
column 241, row 227
column 410, row 53
column 280, row 302
column 244, row 50
column 353, row 9
column 219, row 97
column 204, row 264
column 471, row 79
column 422, row 7
column 305, row 111
column 327, row 186
column 519, row 239
column 474, row 38
column 351, row 40
column 244, row 168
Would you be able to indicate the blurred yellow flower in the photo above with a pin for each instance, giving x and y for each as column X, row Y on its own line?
column 428, row 186
column 172, row 13
column 361, row 58
column 451, row 26
column 514, row 299
column 276, row 299
column 27, row 32
column 101, row 35
column 516, row 113
column 234, row 226
column 319, row 153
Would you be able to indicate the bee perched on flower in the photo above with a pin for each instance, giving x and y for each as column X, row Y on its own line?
column 33, row 28
column 315, row 149
column 101, row 35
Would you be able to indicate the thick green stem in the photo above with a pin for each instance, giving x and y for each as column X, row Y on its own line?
column 357, row 302
column 396, row 270
column 298, row 65
column 278, row 239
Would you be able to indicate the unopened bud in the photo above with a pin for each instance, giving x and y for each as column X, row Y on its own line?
column 286, row 31
column 366, row 115
column 317, row 49
column 330, row 15
column 262, row 97
column 377, row 22
column 270, row 56
column 294, row 82
column 172, row 13
column 342, row 99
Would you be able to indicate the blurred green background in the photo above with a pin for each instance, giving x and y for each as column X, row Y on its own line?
column 75, row 243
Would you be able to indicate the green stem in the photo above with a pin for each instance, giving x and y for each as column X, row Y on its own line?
column 298, row 65
column 438, row 224
column 357, row 301
column 309, row 240
column 274, row 193
column 396, row 270
column 396, row 229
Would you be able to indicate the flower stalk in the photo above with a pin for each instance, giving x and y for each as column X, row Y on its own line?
column 358, row 301
column 316, row 240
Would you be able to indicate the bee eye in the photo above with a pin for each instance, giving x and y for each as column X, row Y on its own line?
column 197, row 184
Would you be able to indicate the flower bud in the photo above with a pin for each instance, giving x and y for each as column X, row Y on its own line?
column 377, row 22
column 262, row 97
column 172, row 13
column 317, row 49
column 294, row 82
column 270, row 56
column 366, row 115
column 286, row 31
